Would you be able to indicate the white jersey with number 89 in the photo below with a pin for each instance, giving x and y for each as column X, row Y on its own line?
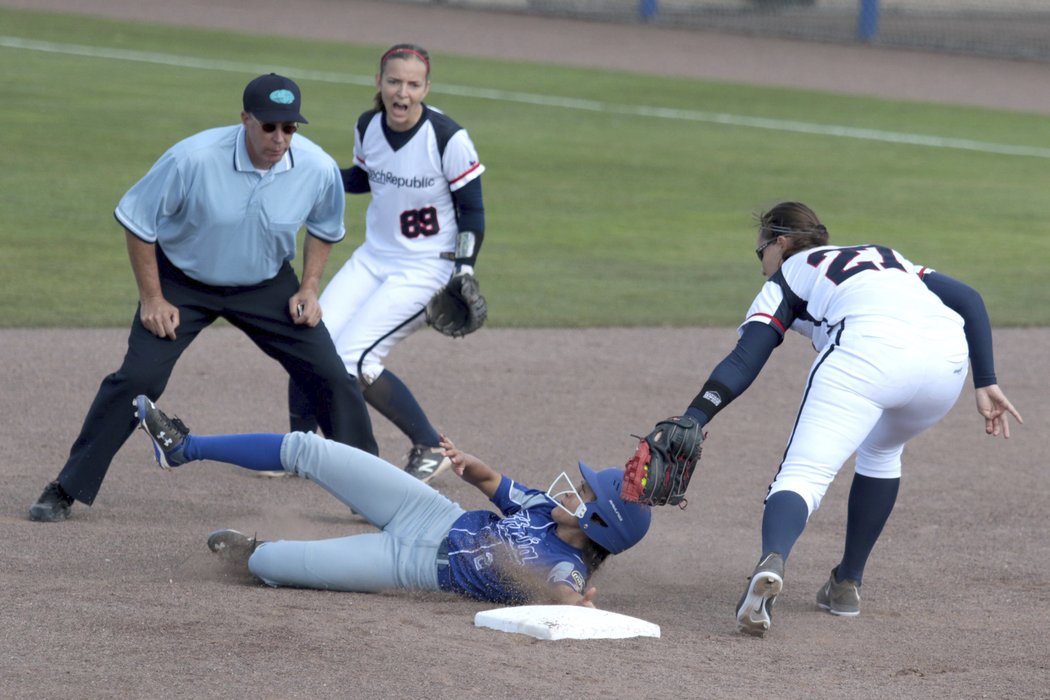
column 412, row 212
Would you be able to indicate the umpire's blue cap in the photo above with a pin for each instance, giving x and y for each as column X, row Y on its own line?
column 274, row 98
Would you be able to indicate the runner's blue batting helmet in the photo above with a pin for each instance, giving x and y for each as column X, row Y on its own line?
column 610, row 521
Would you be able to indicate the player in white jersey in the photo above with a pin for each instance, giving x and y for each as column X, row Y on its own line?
column 892, row 342
column 425, row 223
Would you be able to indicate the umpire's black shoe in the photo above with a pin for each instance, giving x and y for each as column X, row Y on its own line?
column 53, row 505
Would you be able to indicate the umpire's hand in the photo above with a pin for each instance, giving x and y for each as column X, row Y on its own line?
column 304, row 309
column 159, row 317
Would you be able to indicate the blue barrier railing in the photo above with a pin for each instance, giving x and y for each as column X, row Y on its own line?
column 867, row 20
column 867, row 16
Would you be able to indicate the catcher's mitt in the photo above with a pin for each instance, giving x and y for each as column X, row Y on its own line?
column 659, row 472
column 458, row 308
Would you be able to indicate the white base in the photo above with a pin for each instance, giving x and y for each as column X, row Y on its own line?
column 565, row 622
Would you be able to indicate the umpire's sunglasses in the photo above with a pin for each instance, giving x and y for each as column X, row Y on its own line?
column 288, row 128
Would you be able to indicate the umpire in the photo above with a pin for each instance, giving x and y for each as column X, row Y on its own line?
column 211, row 230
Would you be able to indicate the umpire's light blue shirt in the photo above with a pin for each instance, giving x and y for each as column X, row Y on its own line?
column 224, row 223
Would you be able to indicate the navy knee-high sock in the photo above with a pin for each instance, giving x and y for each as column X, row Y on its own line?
column 870, row 503
column 389, row 395
column 783, row 521
column 258, row 451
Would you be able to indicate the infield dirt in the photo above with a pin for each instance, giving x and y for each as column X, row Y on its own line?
column 124, row 600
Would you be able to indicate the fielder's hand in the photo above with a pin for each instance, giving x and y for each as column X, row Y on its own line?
column 995, row 407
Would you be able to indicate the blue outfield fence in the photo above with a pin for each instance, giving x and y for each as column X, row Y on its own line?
column 648, row 9
column 868, row 20
column 1017, row 29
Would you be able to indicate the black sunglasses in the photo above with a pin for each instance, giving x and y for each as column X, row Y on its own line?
column 288, row 128
column 762, row 248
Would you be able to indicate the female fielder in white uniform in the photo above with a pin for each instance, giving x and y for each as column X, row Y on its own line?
column 892, row 343
column 425, row 223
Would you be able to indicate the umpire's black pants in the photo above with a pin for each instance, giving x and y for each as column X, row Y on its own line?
column 261, row 311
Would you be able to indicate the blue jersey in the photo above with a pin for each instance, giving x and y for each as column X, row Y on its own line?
column 481, row 543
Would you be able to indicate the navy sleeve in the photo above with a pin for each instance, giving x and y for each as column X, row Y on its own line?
column 967, row 302
column 734, row 374
column 355, row 180
column 470, row 213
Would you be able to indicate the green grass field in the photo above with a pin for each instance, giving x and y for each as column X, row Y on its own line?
column 607, row 194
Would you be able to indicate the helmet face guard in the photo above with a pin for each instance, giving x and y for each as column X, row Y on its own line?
column 608, row 520
column 562, row 485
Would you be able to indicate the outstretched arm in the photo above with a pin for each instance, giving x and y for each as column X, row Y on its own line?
column 735, row 373
column 994, row 406
column 471, row 469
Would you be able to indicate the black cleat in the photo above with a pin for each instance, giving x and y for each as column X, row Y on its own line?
column 53, row 505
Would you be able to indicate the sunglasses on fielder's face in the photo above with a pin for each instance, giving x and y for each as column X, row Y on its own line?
column 288, row 128
column 762, row 248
